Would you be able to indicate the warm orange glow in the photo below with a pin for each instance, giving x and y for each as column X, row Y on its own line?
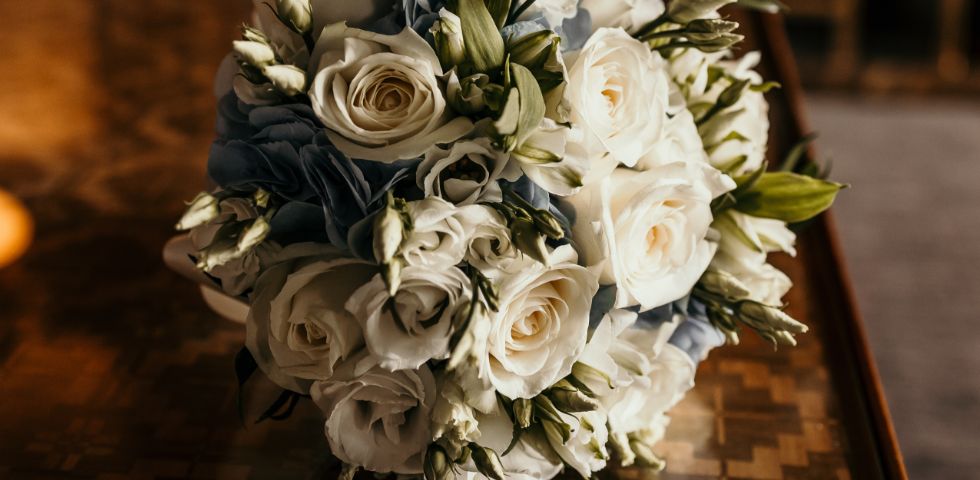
column 16, row 229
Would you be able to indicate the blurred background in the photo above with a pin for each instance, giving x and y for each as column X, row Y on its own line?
column 893, row 90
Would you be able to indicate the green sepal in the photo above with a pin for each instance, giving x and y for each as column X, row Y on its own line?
column 484, row 45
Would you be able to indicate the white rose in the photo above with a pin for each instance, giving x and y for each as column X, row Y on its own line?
column 611, row 352
column 358, row 14
column 618, row 94
column 297, row 328
column 541, row 326
column 627, row 14
column 554, row 11
column 440, row 232
column 646, row 232
column 642, row 405
column 414, row 326
column 376, row 419
column 745, row 243
column 530, row 459
column 466, row 172
column 379, row 95
column 681, row 142
column 585, row 451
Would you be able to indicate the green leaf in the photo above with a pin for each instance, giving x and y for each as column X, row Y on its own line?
column 532, row 102
column 499, row 9
column 787, row 196
column 765, row 87
column 484, row 45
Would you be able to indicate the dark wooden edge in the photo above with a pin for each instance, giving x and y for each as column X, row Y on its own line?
column 773, row 31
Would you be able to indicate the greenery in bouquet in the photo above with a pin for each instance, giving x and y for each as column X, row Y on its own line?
column 493, row 238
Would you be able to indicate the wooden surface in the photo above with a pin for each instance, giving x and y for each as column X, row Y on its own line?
column 112, row 367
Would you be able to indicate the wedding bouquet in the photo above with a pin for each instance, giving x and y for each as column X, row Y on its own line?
column 493, row 238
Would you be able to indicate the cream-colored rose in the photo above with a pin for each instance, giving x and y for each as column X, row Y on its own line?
column 645, row 232
column 440, row 232
column 554, row 12
column 627, row 14
column 466, row 172
column 376, row 419
column 542, row 323
column 380, row 95
column 298, row 329
column 415, row 325
column 489, row 247
column 618, row 95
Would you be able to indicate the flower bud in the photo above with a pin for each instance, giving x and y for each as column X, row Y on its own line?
column 709, row 27
column 773, row 318
column 529, row 240
column 391, row 273
column 548, row 224
column 447, row 33
column 254, row 234
column 685, row 11
column 645, row 457
column 288, row 79
column 217, row 254
column 254, row 35
column 535, row 49
column 724, row 284
column 719, row 42
column 296, row 12
column 201, row 210
column 487, row 462
column 466, row 95
column 436, row 465
column 254, row 53
column 730, row 96
column 389, row 232
column 569, row 399
column 523, row 412
column 261, row 198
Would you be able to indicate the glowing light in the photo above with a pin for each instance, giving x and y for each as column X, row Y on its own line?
column 16, row 229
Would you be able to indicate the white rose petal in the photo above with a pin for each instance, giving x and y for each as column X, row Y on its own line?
column 379, row 95
column 376, row 419
column 646, row 232
column 554, row 11
column 627, row 14
column 489, row 248
column 415, row 325
column 541, row 326
column 297, row 329
column 440, row 232
column 618, row 94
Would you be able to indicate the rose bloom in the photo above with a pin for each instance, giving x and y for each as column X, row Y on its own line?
column 630, row 15
column 618, row 94
column 297, row 328
column 541, row 326
column 645, row 232
column 415, row 325
column 466, row 172
column 376, row 419
column 440, row 232
column 380, row 96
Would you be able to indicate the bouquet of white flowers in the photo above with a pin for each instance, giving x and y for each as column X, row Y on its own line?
column 493, row 238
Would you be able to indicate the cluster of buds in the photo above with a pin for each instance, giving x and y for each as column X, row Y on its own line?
column 265, row 76
column 705, row 34
column 437, row 464
column 392, row 226
column 729, row 304
column 530, row 227
column 233, row 238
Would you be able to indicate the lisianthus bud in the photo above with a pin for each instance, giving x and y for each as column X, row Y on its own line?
column 436, row 466
column 645, row 457
column 569, row 399
column 534, row 50
column 772, row 317
column 288, row 79
column 684, row 11
column 389, row 232
column 548, row 224
column 447, row 33
column 254, row 35
column 296, row 12
column 529, row 240
column 254, row 234
column 487, row 462
column 523, row 411
column 724, row 284
column 254, row 53
column 201, row 210
column 466, row 95
column 261, row 198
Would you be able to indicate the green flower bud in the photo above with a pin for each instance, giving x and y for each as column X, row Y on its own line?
column 724, row 284
column 254, row 234
column 529, row 240
column 466, row 96
column 645, row 457
column 296, row 12
column 548, row 224
column 447, row 33
column 534, row 50
column 201, row 210
column 288, row 79
column 773, row 318
column 217, row 254
column 569, row 399
column 261, row 198
column 436, row 465
column 523, row 412
column 254, row 53
column 685, row 11
column 487, row 462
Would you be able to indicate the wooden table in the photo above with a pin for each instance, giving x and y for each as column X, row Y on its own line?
column 111, row 366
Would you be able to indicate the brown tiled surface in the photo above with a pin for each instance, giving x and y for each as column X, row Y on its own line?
column 112, row 367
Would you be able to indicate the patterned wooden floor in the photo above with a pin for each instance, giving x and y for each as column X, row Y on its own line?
column 111, row 367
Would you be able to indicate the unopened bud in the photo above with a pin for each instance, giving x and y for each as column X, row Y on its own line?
column 523, row 412
column 685, row 11
column 261, row 198
column 447, row 34
column 288, row 79
column 719, row 42
column 389, row 232
column 645, row 457
column 487, row 462
column 730, row 96
column 548, row 224
column 466, row 96
column 774, row 318
column 535, row 49
column 254, row 234
column 254, row 35
column 217, row 254
column 529, row 240
column 201, row 210
column 254, row 53
column 569, row 399
column 724, row 284
column 436, row 465
column 391, row 273
column 296, row 12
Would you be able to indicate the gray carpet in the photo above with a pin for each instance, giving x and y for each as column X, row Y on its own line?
column 911, row 233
